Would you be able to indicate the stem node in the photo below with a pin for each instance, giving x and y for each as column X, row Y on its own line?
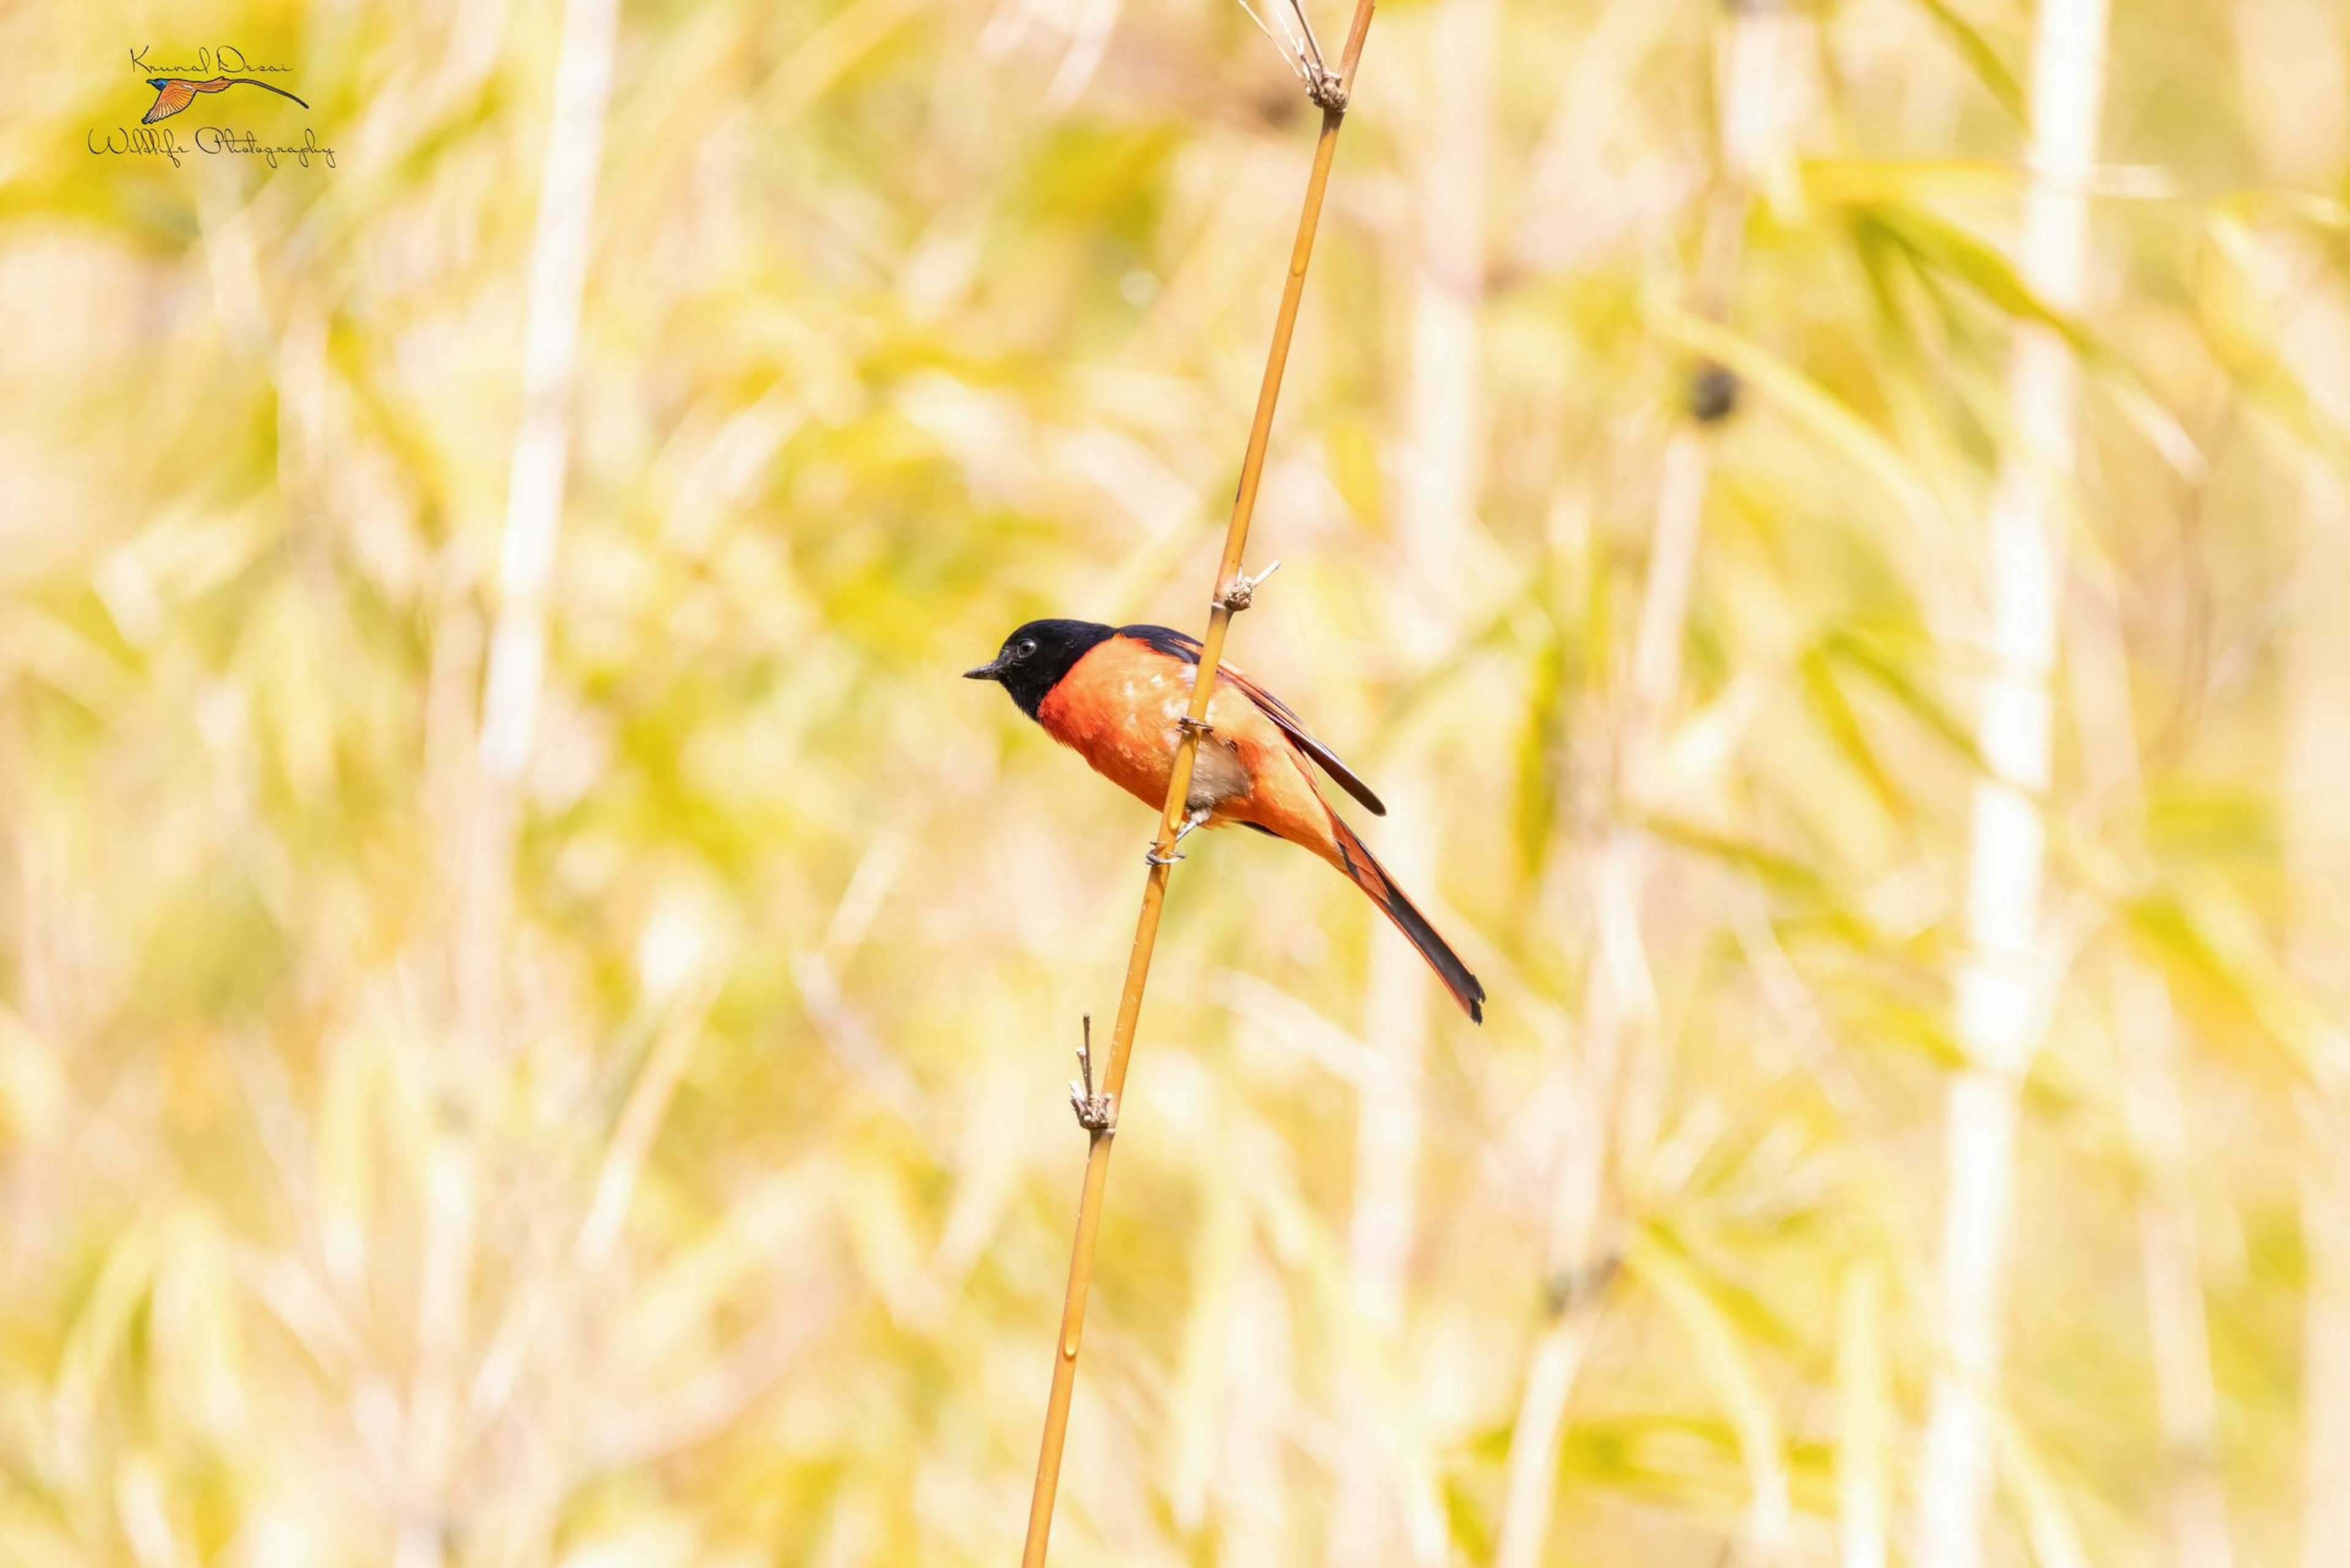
column 1098, row 1114
column 1240, row 592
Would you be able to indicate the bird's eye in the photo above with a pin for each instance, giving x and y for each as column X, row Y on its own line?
column 1026, row 649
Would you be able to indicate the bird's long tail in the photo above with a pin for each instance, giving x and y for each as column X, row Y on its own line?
column 254, row 81
column 1367, row 873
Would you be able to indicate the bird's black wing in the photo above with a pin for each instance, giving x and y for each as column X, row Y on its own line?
column 1181, row 645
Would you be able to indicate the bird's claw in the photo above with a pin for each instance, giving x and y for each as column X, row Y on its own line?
column 1200, row 727
column 1182, row 832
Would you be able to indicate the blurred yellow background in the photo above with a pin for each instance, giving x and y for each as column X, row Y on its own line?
column 534, row 1005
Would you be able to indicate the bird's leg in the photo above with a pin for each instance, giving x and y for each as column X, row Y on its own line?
column 1196, row 817
column 1098, row 1114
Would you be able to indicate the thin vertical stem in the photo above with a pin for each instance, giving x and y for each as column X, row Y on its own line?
column 560, row 244
column 1864, row 1401
column 1999, row 981
column 2153, row 1108
column 1386, row 1506
column 2325, row 1335
column 1623, row 1010
column 2187, row 1399
column 2317, row 856
column 1225, row 603
column 2289, row 56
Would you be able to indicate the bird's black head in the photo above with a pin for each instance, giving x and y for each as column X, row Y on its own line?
column 159, row 83
column 1034, row 657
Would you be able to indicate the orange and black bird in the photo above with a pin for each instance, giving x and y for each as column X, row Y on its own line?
column 173, row 94
column 1116, row 696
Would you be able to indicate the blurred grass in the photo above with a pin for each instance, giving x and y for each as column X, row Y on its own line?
column 740, row 1239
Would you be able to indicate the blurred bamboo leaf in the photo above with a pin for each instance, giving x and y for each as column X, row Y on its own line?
column 1811, row 406
column 1981, row 57
column 1721, row 1352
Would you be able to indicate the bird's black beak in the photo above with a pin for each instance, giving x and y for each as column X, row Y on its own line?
column 993, row 669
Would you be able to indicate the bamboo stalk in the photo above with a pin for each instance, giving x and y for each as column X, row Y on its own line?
column 2317, row 858
column 1231, row 596
column 2000, row 985
column 2288, row 56
column 561, row 244
column 2185, row 1396
column 1620, row 1025
column 1386, row 1506
column 2153, row 1102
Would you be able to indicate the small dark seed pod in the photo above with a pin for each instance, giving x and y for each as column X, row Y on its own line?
column 1712, row 393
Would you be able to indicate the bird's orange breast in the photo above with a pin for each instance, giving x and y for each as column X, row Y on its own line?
column 1118, row 708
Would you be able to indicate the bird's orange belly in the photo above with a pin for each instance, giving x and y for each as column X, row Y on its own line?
column 1122, row 718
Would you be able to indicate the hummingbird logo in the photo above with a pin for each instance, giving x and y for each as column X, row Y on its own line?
column 173, row 94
